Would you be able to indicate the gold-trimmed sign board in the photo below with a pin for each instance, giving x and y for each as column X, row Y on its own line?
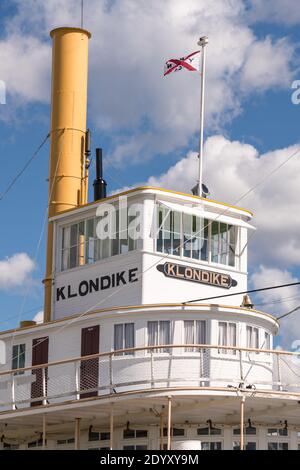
column 202, row 276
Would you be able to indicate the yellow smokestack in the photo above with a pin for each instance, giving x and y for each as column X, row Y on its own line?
column 68, row 174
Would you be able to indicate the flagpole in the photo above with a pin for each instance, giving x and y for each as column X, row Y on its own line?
column 203, row 41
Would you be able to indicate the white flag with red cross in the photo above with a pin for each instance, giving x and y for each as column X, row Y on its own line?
column 191, row 63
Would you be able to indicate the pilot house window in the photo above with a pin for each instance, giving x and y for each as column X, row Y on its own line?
column 190, row 236
column 80, row 244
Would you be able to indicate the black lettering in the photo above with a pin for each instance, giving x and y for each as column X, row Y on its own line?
column 60, row 293
column 70, row 295
column 132, row 275
column 113, row 280
column 120, row 277
column 105, row 282
column 94, row 285
column 83, row 288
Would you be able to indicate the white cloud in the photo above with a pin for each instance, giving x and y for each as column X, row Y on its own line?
column 15, row 271
column 25, row 68
column 277, row 11
column 255, row 73
column 39, row 317
column 279, row 301
column 130, row 41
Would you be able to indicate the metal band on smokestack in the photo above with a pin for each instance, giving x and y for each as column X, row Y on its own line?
column 68, row 174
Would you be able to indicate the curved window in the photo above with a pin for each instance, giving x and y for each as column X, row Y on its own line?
column 190, row 236
column 194, row 333
column 81, row 245
column 159, row 333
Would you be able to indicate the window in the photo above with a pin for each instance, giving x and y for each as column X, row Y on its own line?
column 138, row 447
column 10, row 446
column 195, row 237
column 18, row 357
column 80, row 244
column 135, row 434
column 277, row 432
column 169, row 233
column 38, row 443
column 124, row 337
column 159, row 334
column 175, row 432
column 252, row 337
column 209, row 431
column 99, row 448
column 194, row 333
column 211, row 445
column 248, row 445
column 223, row 243
column 267, row 342
column 278, row 446
column 187, row 235
column 65, row 441
column 227, row 337
column 249, row 430
column 94, row 436
column 98, row 436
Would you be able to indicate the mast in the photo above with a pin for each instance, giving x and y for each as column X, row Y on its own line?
column 203, row 41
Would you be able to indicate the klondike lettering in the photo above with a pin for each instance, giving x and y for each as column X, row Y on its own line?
column 90, row 286
column 202, row 276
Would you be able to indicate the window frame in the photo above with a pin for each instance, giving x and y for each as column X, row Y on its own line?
column 252, row 330
column 123, row 325
column 101, row 251
column 160, row 230
column 228, row 352
column 159, row 343
column 17, row 357
column 194, row 350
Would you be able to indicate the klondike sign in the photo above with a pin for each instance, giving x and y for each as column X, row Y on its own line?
column 187, row 273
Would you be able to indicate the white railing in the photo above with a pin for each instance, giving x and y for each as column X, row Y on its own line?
column 150, row 368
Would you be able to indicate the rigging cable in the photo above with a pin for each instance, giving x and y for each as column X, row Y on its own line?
column 288, row 313
column 244, row 292
column 15, row 179
column 38, row 246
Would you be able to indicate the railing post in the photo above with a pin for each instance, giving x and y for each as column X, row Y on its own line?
column 44, row 432
column 152, row 368
column 44, row 386
column 169, row 430
column 202, row 365
column 279, row 372
column 161, row 425
column 241, row 366
column 13, row 391
column 77, row 379
column 111, row 372
column 111, row 428
column 242, row 445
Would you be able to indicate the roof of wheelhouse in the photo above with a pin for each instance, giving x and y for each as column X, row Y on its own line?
column 183, row 197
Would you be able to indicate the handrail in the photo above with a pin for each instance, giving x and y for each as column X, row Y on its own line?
column 147, row 348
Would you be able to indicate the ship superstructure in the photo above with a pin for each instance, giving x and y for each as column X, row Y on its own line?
column 125, row 358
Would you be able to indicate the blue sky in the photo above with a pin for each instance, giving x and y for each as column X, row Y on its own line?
column 145, row 123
